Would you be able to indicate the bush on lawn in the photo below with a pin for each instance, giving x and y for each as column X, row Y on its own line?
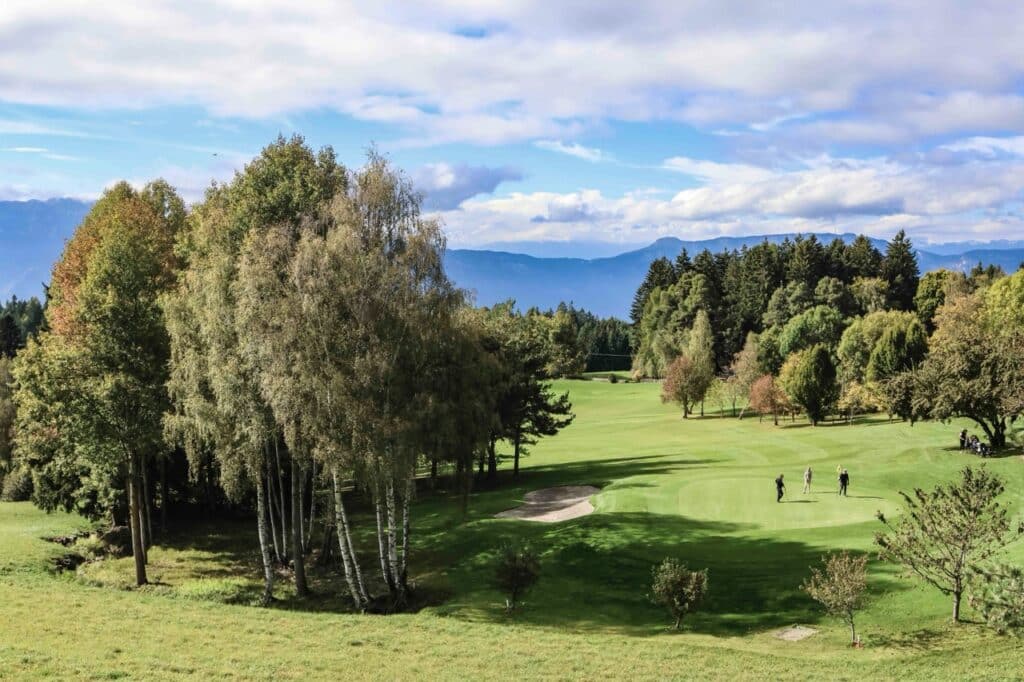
column 516, row 571
column 677, row 588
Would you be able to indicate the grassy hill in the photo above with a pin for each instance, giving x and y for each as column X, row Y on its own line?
column 700, row 489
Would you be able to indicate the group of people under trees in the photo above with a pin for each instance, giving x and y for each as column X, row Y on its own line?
column 842, row 477
column 974, row 444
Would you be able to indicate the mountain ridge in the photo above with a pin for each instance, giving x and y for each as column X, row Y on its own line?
column 32, row 236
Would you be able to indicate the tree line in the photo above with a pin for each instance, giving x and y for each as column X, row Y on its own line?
column 287, row 345
column 837, row 329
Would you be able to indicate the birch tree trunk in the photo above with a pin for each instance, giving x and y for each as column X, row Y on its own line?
column 261, row 527
column 270, row 514
column 298, row 559
column 312, row 506
column 302, row 509
column 392, row 540
column 281, row 505
column 348, row 557
column 404, row 569
column 385, row 573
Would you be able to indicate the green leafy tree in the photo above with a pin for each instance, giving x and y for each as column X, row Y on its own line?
column 820, row 325
column 700, row 350
column 809, row 379
column 856, row 399
column 945, row 534
column 567, row 356
column 832, row 292
column 219, row 409
column 871, row 294
column 839, row 586
column 898, row 349
column 678, row 589
column 861, row 338
column 896, row 393
column 933, row 290
column 973, row 368
column 106, row 367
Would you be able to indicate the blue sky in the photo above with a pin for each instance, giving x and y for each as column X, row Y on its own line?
column 574, row 121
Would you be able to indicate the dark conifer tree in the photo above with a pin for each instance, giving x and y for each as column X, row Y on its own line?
column 900, row 272
column 683, row 264
column 10, row 336
column 862, row 259
column 806, row 262
column 659, row 274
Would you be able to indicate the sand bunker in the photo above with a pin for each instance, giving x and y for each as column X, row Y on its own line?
column 795, row 633
column 554, row 504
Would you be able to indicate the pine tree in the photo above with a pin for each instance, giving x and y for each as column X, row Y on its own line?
column 862, row 259
column 683, row 264
column 10, row 336
column 806, row 263
column 900, row 272
column 659, row 274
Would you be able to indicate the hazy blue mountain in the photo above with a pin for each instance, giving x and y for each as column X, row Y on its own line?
column 605, row 286
column 32, row 235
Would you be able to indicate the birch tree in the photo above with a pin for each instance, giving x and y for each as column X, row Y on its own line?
column 220, row 407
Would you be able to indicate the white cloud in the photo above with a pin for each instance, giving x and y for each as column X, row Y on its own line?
column 446, row 185
column 714, row 172
column 535, row 70
column 823, row 195
column 591, row 154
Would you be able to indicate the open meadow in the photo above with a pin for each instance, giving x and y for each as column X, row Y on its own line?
column 700, row 489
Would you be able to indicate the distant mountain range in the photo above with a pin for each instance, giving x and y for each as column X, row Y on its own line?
column 605, row 286
column 32, row 235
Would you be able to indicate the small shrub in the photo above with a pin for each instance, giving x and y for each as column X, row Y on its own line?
column 677, row 588
column 17, row 486
column 516, row 571
column 840, row 586
column 613, row 378
column 90, row 547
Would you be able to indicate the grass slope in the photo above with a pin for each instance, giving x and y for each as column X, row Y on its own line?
column 700, row 489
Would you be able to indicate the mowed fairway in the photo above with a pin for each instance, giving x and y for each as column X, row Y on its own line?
column 700, row 489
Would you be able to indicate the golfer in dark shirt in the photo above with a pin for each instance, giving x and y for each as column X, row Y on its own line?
column 844, row 481
column 780, row 488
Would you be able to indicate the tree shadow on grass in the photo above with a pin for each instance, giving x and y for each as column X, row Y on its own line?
column 596, row 573
column 918, row 640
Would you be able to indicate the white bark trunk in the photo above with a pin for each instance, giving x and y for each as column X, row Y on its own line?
column 349, row 560
column 392, row 539
column 381, row 543
column 261, row 523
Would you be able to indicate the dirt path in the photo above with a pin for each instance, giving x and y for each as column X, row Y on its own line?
column 554, row 504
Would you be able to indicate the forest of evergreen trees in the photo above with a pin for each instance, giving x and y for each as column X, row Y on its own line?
column 836, row 328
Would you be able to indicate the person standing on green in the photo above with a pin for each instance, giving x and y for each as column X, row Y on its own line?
column 780, row 488
column 844, row 481
column 808, row 474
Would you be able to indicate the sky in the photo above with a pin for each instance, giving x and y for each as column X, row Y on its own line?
column 580, row 121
